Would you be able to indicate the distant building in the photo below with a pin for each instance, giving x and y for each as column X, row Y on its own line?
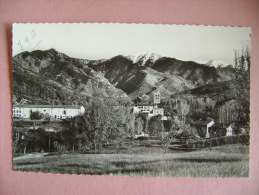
column 157, row 97
column 209, row 125
column 229, row 130
column 149, row 109
column 210, row 129
column 48, row 111
column 204, row 128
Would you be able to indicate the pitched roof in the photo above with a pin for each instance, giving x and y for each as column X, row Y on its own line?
column 201, row 122
column 49, row 106
column 158, row 109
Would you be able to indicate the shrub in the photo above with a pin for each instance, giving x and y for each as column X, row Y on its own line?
column 36, row 115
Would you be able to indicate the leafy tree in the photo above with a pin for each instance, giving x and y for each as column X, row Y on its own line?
column 32, row 141
column 141, row 123
column 242, row 84
column 155, row 125
column 186, row 132
column 35, row 115
column 105, row 121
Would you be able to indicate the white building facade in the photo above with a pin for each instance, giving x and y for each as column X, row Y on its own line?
column 148, row 109
column 151, row 110
column 229, row 130
column 47, row 111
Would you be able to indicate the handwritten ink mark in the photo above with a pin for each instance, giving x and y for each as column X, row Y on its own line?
column 27, row 40
column 33, row 34
column 36, row 45
column 20, row 44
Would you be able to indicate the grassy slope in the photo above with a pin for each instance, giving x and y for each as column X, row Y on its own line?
column 223, row 161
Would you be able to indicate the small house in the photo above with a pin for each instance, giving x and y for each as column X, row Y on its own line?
column 229, row 130
column 203, row 128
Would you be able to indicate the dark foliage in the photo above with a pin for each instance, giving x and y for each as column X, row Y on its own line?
column 36, row 115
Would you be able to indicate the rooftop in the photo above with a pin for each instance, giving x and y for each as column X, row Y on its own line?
column 48, row 106
column 144, row 104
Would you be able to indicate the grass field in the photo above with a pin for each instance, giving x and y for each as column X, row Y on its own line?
column 221, row 161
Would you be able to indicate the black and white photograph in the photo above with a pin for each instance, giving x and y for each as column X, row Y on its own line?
column 139, row 100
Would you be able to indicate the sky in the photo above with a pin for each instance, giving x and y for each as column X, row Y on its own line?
column 95, row 41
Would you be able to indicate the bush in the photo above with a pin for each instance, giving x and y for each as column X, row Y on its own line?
column 35, row 115
column 84, row 149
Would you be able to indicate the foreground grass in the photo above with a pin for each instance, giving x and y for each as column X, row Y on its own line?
column 222, row 161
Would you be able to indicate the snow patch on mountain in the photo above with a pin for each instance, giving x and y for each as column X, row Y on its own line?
column 216, row 63
column 143, row 57
column 213, row 63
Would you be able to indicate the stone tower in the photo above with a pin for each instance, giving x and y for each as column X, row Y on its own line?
column 157, row 97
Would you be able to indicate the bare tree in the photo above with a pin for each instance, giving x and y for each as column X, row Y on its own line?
column 166, row 138
column 184, row 109
column 60, row 148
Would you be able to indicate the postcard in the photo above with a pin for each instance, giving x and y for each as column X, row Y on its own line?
column 146, row 100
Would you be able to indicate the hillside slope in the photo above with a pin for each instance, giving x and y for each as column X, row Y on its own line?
column 57, row 78
column 50, row 77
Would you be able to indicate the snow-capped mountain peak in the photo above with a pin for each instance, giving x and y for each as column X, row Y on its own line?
column 143, row 57
column 216, row 63
column 213, row 63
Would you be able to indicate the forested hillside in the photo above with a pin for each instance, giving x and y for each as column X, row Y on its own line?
column 49, row 77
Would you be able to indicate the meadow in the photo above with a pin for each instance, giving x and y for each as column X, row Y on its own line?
column 221, row 161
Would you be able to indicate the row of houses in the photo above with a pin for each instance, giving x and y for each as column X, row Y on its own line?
column 206, row 129
column 48, row 111
column 66, row 111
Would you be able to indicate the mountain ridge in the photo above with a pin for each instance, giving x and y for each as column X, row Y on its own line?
column 58, row 79
column 136, row 76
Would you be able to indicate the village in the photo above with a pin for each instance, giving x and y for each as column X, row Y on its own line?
column 28, row 118
column 47, row 134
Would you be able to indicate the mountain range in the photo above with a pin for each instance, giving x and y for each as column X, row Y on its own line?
column 51, row 77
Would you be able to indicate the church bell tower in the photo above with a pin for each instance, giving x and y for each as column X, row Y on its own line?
column 157, row 97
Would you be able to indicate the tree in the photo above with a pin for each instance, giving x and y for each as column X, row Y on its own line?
column 242, row 84
column 105, row 121
column 186, row 132
column 184, row 109
column 35, row 115
column 166, row 138
column 32, row 141
column 155, row 125
column 140, row 121
column 60, row 148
